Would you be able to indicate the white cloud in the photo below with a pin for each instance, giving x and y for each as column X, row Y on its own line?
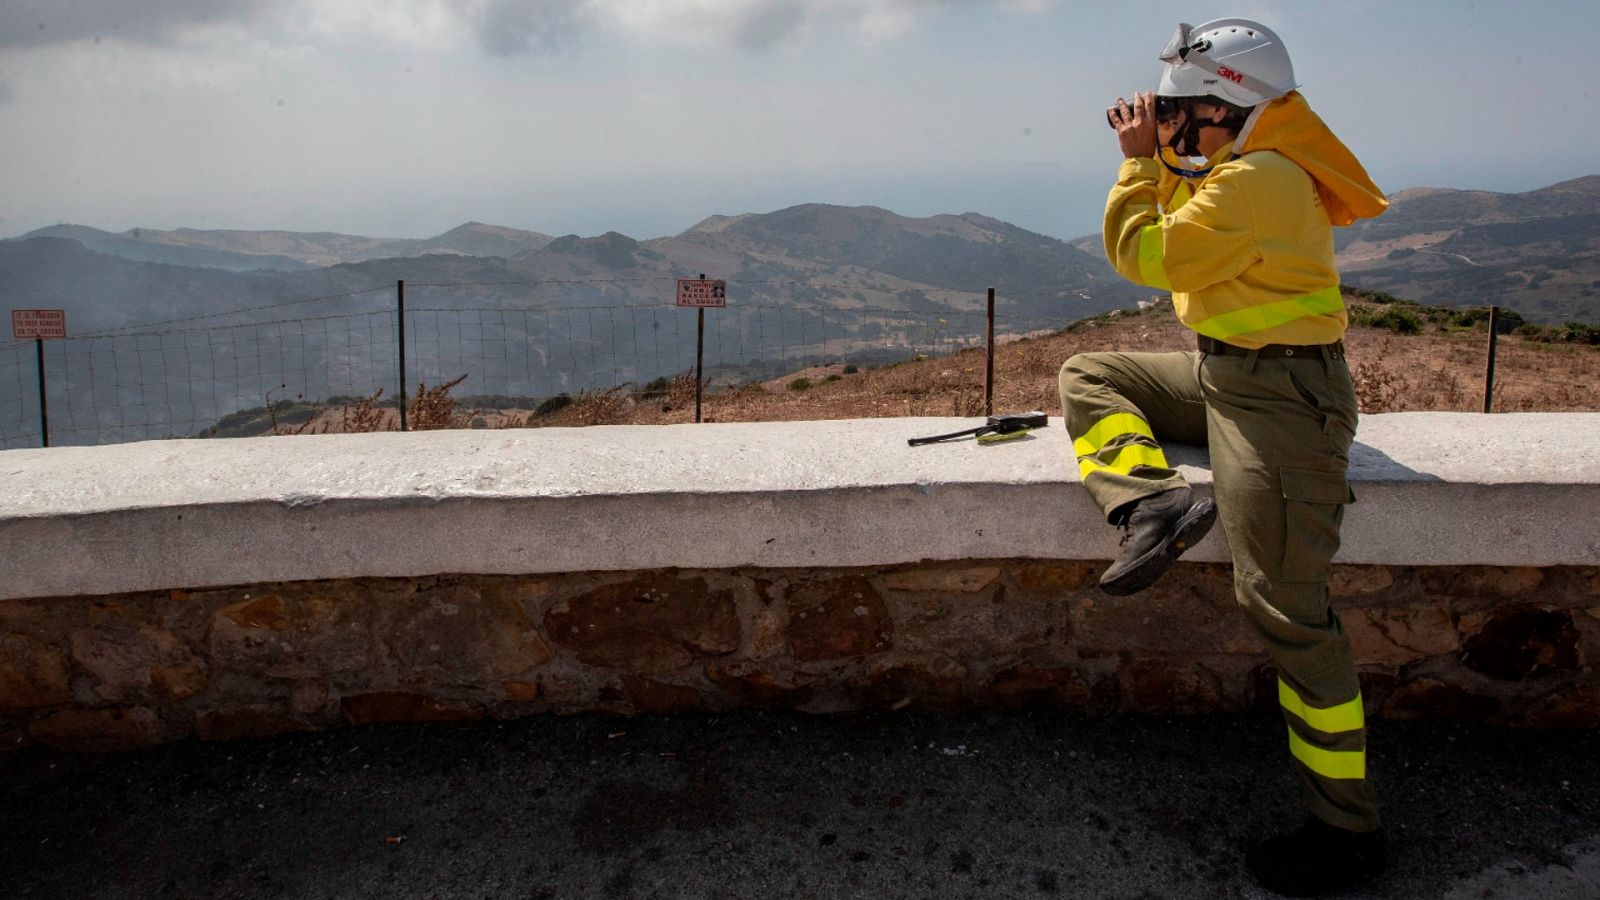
column 501, row 27
column 754, row 23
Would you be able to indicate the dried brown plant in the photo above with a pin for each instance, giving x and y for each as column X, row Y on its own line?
column 680, row 392
column 277, row 429
column 364, row 416
column 599, row 407
column 1377, row 388
column 433, row 408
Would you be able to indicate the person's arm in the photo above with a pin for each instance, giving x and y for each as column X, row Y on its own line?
column 1211, row 238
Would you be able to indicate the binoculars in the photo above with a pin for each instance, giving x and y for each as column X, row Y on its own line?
column 1167, row 108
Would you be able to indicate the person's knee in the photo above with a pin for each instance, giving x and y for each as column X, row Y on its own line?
column 1083, row 370
column 1271, row 601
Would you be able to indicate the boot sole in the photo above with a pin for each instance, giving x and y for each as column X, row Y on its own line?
column 1191, row 528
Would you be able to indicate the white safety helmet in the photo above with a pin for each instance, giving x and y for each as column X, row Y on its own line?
column 1239, row 60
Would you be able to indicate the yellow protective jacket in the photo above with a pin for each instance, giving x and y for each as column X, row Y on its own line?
column 1173, row 190
column 1248, row 258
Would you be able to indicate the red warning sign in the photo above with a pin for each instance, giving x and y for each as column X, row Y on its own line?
column 700, row 293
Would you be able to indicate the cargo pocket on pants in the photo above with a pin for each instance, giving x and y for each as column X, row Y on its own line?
column 1314, row 504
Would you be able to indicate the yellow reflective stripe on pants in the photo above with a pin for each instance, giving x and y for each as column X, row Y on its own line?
column 1268, row 315
column 1346, row 716
column 1152, row 253
column 1328, row 763
column 1107, row 428
column 1124, row 460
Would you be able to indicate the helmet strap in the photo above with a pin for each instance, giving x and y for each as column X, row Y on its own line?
column 1186, row 140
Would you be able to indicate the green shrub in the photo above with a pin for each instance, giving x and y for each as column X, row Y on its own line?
column 800, row 384
column 1397, row 319
column 1566, row 333
column 1478, row 317
column 1373, row 296
column 1578, row 333
column 851, row 369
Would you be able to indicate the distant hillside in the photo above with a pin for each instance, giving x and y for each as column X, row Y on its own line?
column 1537, row 252
column 142, row 246
column 244, row 251
column 102, row 290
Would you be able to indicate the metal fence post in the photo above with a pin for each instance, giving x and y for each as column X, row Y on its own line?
column 699, row 353
column 44, row 403
column 400, row 304
column 988, row 369
column 1488, row 375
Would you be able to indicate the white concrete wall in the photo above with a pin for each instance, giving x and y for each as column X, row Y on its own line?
column 1433, row 489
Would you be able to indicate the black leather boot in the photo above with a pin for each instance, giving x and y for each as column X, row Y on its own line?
column 1316, row 859
column 1157, row 531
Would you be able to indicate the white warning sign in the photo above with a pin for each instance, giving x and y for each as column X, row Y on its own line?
column 31, row 324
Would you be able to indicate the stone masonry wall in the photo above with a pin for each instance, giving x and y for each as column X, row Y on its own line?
column 1515, row 646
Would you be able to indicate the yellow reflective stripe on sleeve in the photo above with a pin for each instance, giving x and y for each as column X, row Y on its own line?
column 1126, row 458
column 1328, row 763
column 1268, row 315
column 1346, row 716
column 1107, row 428
column 1152, row 250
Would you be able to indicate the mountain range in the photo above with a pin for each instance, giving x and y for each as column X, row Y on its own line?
column 815, row 256
column 288, row 251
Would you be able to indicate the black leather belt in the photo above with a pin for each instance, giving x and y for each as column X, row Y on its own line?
column 1215, row 347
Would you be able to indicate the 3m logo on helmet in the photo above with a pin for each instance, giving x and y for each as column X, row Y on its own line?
column 1230, row 74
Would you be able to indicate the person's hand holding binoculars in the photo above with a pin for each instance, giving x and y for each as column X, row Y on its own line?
column 1135, row 124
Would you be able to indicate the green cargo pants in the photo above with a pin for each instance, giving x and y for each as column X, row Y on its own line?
column 1279, row 431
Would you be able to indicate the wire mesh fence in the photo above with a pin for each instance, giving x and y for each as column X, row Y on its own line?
column 19, row 412
column 221, row 380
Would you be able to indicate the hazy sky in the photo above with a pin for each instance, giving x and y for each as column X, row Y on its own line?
column 403, row 118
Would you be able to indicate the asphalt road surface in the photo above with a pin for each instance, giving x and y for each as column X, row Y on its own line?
column 778, row 805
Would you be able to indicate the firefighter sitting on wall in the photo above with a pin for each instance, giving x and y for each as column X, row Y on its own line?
column 1244, row 243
